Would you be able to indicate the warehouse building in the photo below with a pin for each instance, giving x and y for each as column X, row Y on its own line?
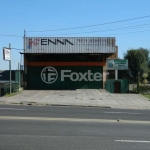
column 67, row 62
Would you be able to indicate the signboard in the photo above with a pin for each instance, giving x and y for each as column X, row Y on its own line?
column 6, row 54
column 117, row 64
column 70, row 45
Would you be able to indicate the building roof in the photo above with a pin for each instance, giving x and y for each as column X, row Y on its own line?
column 69, row 45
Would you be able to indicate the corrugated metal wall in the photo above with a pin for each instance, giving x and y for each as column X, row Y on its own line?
column 70, row 45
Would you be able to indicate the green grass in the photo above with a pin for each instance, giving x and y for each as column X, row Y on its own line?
column 12, row 94
column 147, row 95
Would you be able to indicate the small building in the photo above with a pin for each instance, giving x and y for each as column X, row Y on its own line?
column 67, row 62
column 117, row 80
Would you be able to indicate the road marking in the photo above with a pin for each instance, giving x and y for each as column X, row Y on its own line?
column 46, row 136
column 55, row 119
column 11, row 109
column 132, row 141
column 71, row 119
column 122, row 113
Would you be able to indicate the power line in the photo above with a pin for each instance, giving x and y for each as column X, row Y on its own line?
column 121, row 25
column 17, row 49
column 122, row 28
column 80, row 26
column 125, row 33
column 10, row 35
column 93, row 25
column 128, row 33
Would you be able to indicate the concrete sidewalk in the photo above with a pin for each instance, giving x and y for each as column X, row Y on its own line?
column 79, row 97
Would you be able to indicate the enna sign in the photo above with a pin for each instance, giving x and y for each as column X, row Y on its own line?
column 38, row 41
column 50, row 75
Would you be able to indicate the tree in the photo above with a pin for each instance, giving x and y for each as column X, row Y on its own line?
column 138, row 60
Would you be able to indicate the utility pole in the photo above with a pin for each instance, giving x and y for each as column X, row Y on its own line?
column 24, row 39
column 19, row 75
column 10, row 68
column 138, row 81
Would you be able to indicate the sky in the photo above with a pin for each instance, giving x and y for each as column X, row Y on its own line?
column 127, row 20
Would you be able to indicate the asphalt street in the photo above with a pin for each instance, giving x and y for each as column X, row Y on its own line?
column 74, row 112
column 77, row 128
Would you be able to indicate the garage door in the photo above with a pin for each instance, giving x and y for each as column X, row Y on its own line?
column 60, row 77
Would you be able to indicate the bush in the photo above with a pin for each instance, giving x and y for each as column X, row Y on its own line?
column 144, row 89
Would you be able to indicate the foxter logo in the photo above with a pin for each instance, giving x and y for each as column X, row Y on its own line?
column 86, row 76
column 49, row 75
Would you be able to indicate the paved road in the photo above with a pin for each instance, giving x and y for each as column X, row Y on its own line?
column 74, row 112
column 76, row 128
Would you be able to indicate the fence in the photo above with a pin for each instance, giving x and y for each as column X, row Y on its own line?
column 124, row 85
column 14, row 87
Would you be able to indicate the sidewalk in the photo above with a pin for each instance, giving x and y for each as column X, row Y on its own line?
column 79, row 97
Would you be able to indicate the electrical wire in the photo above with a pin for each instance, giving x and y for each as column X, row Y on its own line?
column 17, row 48
column 127, row 33
column 121, row 25
column 122, row 28
column 82, row 26
column 10, row 35
column 88, row 26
